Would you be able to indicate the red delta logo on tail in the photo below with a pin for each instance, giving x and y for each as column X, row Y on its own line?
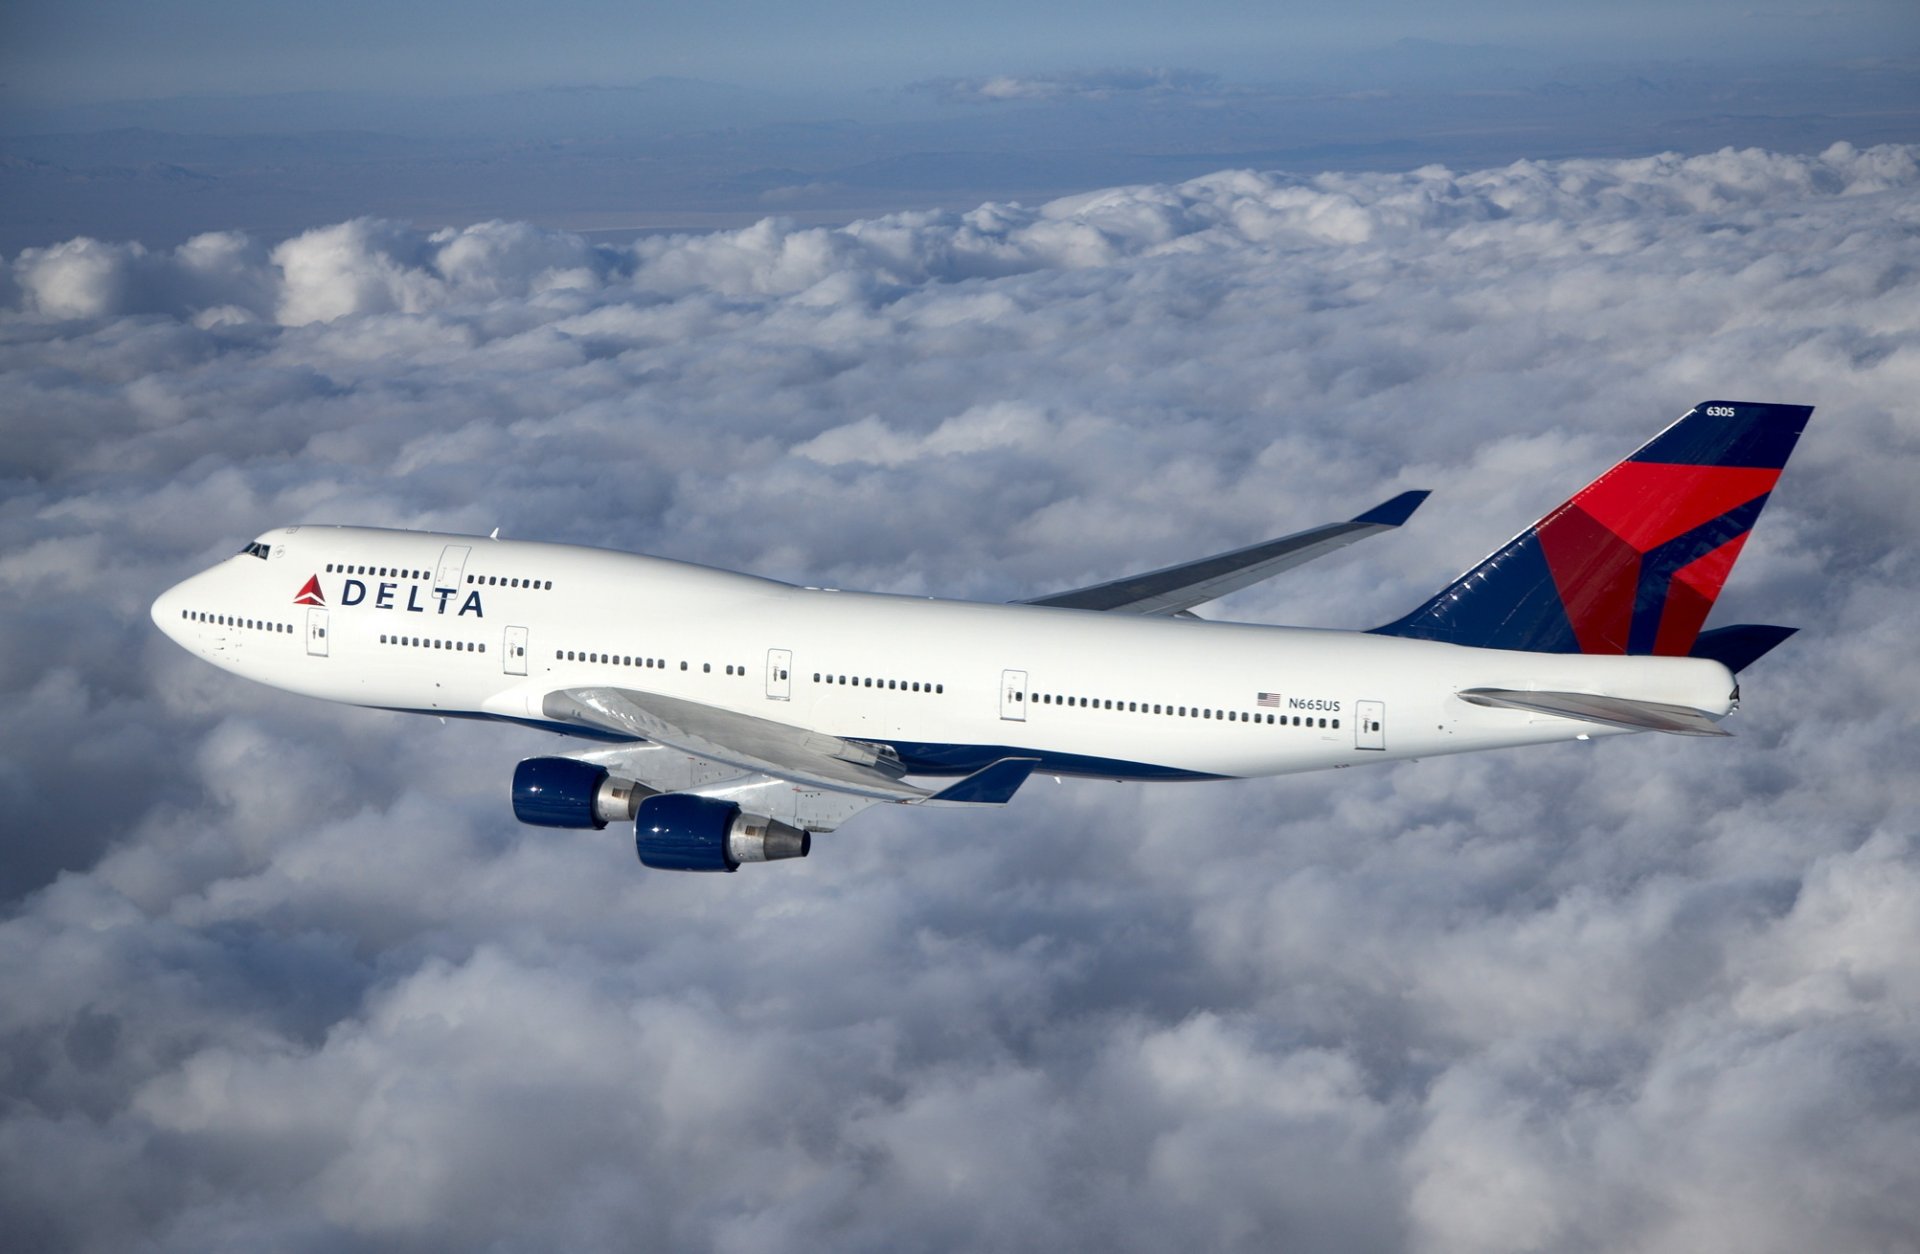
column 1633, row 563
column 1640, row 555
column 310, row 593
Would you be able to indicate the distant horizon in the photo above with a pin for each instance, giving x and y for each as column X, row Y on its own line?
column 673, row 152
column 1415, row 63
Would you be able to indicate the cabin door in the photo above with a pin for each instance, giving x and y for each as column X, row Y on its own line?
column 316, row 632
column 779, row 674
column 513, row 654
column 1013, row 696
column 453, row 564
column 1370, row 725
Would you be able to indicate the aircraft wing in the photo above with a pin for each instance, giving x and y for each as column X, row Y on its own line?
column 793, row 754
column 666, row 769
column 1174, row 589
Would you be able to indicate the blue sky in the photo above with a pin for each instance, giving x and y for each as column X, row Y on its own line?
column 121, row 48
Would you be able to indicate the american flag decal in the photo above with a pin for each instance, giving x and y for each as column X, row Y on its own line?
column 1271, row 700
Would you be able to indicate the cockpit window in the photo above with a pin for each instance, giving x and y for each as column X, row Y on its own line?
column 256, row 549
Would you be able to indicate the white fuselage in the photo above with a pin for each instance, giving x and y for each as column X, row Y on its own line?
column 460, row 625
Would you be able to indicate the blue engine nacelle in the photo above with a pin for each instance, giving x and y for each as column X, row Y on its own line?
column 678, row 832
column 563, row 792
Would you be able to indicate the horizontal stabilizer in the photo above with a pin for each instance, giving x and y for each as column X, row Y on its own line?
column 1740, row 646
column 1586, row 707
column 1174, row 589
column 991, row 785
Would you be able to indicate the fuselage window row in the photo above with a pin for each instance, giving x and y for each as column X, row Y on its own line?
column 1182, row 711
column 896, row 685
column 614, row 659
column 395, row 572
column 505, row 581
column 427, row 642
column 234, row 620
column 377, row 572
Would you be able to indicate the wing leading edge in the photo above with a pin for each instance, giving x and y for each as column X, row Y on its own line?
column 1175, row 589
column 853, row 768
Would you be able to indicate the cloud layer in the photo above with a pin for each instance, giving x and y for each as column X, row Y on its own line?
column 284, row 975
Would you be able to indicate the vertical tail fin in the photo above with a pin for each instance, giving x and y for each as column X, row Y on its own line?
column 1635, row 560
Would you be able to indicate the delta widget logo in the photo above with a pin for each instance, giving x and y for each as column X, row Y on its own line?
column 384, row 595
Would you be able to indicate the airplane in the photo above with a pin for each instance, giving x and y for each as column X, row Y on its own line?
column 731, row 718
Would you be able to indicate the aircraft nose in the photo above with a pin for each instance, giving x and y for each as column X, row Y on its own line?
column 166, row 612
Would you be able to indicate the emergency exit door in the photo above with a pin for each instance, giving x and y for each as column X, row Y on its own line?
column 513, row 652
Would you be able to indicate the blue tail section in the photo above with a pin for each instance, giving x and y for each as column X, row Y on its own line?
column 1634, row 561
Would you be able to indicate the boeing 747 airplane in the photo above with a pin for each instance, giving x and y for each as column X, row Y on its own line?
column 729, row 718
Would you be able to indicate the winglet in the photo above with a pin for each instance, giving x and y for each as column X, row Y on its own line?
column 991, row 785
column 1395, row 512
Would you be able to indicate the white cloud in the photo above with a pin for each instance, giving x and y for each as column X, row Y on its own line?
column 1074, row 85
column 288, row 975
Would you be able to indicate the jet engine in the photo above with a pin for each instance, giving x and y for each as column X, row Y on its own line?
column 680, row 832
column 564, row 792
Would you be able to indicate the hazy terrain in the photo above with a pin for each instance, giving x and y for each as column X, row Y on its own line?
column 673, row 153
